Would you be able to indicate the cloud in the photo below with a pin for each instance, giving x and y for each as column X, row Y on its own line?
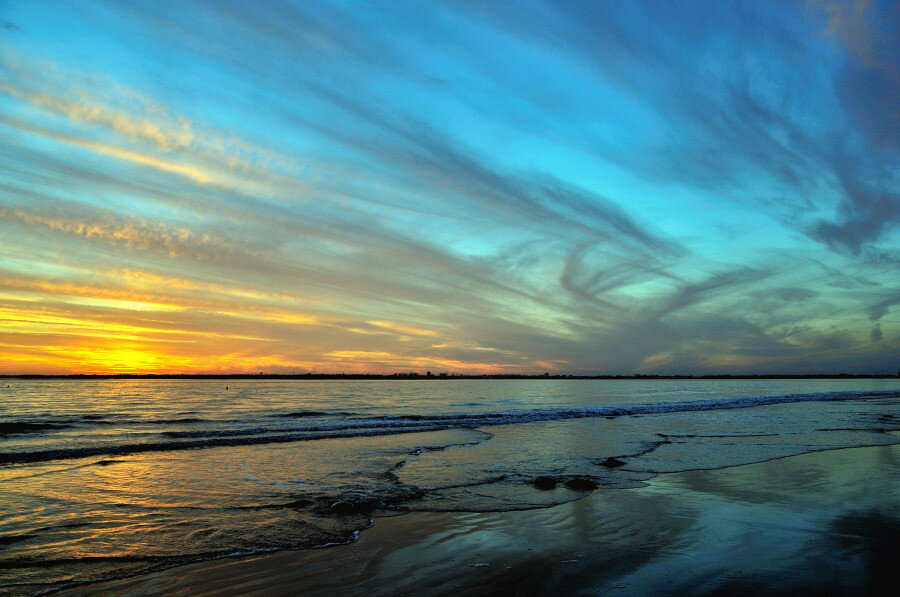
column 604, row 187
column 869, row 83
column 734, row 115
column 787, row 294
column 167, row 135
column 865, row 214
column 698, row 292
column 881, row 308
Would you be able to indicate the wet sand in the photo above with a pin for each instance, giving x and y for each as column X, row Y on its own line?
column 821, row 523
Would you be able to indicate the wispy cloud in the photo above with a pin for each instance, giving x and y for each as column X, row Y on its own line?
column 511, row 186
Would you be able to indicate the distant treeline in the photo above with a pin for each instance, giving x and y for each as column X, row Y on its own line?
column 429, row 375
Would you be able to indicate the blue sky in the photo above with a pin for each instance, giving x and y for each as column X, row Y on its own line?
column 597, row 187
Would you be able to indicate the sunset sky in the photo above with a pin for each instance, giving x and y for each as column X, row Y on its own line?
column 572, row 187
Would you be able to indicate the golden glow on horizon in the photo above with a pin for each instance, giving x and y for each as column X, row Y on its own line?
column 125, row 357
column 92, row 335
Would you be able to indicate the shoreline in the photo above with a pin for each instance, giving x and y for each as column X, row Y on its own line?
column 699, row 531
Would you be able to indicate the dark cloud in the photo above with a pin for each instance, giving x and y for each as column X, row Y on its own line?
column 881, row 308
column 787, row 294
column 691, row 294
column 864, row 214
column 869, row 82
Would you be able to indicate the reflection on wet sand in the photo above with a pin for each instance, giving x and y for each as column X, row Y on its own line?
column 821, row 523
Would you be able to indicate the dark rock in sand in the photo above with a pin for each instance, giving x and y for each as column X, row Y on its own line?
column 345, row 508
column 301, row 503
column 612, row 462
column 545, row 483
column 581, row 484
column 350, row 507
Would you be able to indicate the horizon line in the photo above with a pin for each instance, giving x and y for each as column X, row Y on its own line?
column 439, row 376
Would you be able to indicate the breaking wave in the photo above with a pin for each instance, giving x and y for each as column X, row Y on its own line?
column 324, row 425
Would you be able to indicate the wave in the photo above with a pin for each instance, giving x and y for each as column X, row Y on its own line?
column 53, row 423
column 215, row 442
column 172, row 421
column 17, row 427
column 112, row 420
column 414, row 423
column 313, row 413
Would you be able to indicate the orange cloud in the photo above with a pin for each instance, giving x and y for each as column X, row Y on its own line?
column 194, row 173
column 165, row 132
column 403, row 328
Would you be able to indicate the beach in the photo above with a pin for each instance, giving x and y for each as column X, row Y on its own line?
column 820, row 523
column 478, row 486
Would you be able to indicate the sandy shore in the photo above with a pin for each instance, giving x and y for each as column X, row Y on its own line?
column 823, row 523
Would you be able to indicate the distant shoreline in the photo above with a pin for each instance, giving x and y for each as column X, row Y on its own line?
column 439, row 376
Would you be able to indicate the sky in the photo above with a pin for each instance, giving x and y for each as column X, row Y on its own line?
column 474, row 187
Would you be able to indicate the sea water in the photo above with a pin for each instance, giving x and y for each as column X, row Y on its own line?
column 108, row 478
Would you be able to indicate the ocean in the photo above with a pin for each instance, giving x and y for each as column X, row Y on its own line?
column 103, row 479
